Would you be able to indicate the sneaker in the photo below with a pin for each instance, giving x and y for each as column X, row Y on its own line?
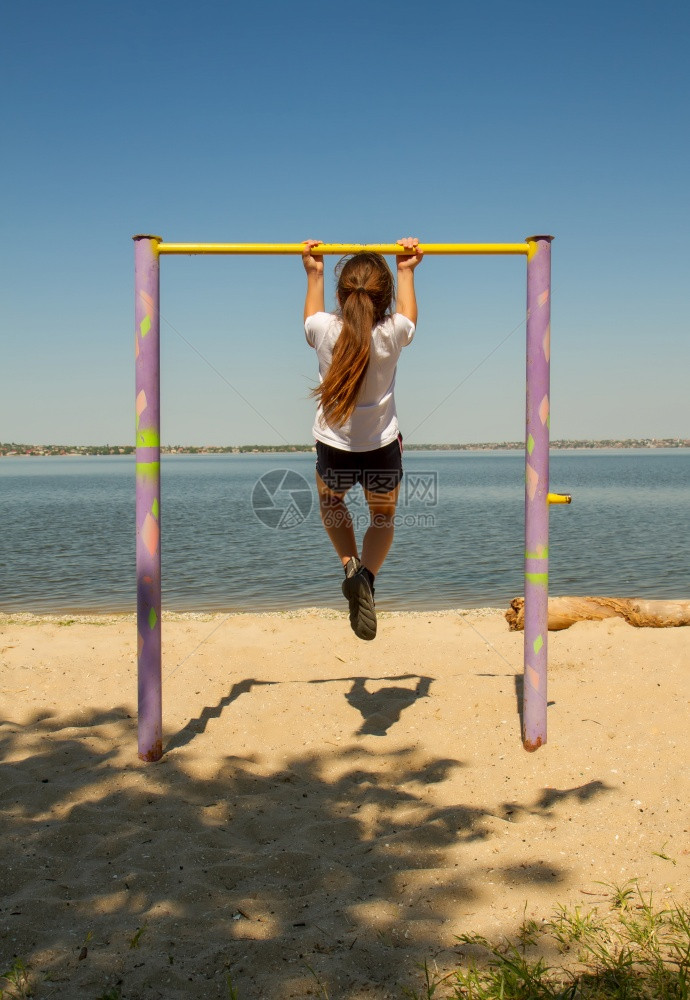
column 360, row 595
column 352, row 566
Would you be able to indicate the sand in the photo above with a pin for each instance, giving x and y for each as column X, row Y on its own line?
column 328, row 812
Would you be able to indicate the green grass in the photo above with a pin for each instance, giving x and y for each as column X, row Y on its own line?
column 626, row 950
column 135, row 940
column 17, row 980
column 632, row 951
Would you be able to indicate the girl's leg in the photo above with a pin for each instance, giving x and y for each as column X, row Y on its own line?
column 379, row 535
column 337, row 521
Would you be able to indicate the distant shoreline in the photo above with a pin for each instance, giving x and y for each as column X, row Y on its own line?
column 14, row 450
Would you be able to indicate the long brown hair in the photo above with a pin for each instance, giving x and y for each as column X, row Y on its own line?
column 365, row 292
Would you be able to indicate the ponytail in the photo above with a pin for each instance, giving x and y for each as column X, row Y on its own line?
column 365, row 293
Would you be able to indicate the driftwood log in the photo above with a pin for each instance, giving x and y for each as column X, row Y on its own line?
column 565, row 611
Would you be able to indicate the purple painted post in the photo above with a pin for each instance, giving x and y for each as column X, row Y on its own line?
column 148, row 502
column 536, row 490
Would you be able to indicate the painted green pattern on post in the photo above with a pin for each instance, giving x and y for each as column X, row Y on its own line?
column 538, row 643
column 153, row 618
column 530, row 444
column 155, row 508
column 544, row 554
column 148, row 470
column 145, row 325
column 148, row 438
column 540, row 578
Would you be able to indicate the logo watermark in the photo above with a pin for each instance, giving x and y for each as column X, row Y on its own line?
column 421, row 486
column 284, row 499
column 362, row 520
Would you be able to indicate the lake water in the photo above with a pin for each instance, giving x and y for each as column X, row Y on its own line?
column 242, row 532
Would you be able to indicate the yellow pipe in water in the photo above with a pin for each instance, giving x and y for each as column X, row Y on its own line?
column 558, row 498
column 340, row 248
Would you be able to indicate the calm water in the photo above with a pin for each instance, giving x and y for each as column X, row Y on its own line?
column 68, row 531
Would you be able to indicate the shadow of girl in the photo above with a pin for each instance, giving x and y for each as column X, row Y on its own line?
column 382, row 708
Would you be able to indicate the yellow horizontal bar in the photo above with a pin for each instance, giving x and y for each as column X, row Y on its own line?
column 341, row 248
column 558, row 498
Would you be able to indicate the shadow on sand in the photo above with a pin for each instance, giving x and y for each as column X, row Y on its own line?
column 336, row 862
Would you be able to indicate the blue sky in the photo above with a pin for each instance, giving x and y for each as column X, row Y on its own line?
column 276, row 122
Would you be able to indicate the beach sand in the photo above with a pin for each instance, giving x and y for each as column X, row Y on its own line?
column 328, row 812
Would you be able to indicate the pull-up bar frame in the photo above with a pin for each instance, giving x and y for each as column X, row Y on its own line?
column 340, row 248
column 148, row 249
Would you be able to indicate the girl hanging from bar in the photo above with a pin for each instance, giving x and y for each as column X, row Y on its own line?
column 356, row 427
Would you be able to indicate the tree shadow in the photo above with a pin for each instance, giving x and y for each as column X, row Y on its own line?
column 172, row 875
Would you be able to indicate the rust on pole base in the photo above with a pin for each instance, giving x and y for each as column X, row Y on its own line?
column 154, row 754
column 531, row 747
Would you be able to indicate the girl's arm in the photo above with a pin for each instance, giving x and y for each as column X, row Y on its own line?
column 406, row 302
column 313, row 265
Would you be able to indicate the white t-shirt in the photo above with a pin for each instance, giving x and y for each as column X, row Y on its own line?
column 374, row 422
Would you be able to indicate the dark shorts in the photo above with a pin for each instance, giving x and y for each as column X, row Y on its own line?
column 378, row 471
